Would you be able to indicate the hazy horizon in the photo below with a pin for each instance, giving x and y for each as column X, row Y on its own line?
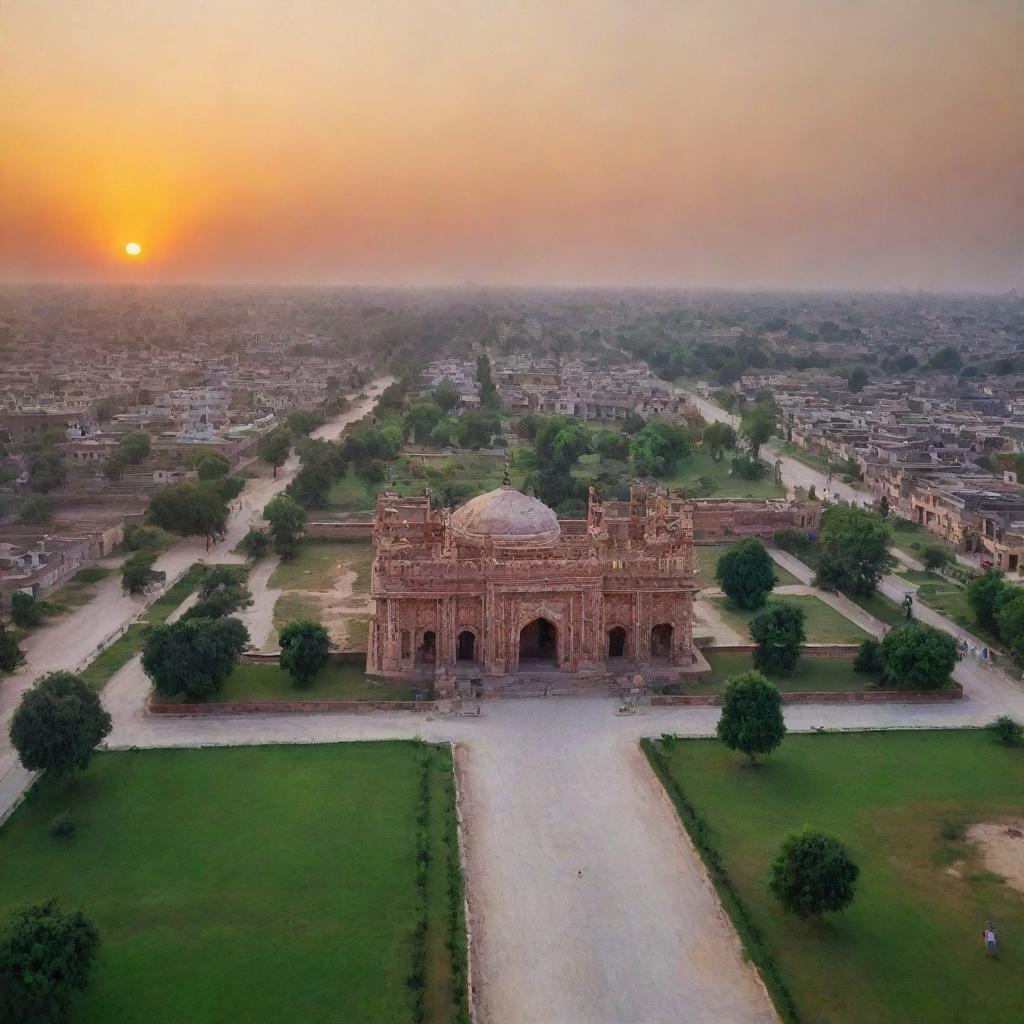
column 791, row 146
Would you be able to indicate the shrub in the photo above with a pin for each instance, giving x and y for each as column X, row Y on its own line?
column 62, row 827
column 918, row 657
column 813, row 874
column 869, row 657
column 935, row 556
column 305, row 646
column 1007, row 729
column 26, row 611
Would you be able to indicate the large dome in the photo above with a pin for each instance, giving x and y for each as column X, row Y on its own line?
column 508, row 517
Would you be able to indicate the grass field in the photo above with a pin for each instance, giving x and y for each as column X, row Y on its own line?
column 116, row 655
column 707, row 555
column 883, row 609
column 291, row 895
column 721, row 485
column 810, row 674
column 316, row 565
column 335, row 682
column 948, row 599
column 910, row 948
column 162, row 608
column 822, row 623
column 914, row 538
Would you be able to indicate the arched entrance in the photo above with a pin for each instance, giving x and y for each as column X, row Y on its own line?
column 426, row 653
column 617, row 642
column 661, row 641
column 467, row 646
column 538, row 642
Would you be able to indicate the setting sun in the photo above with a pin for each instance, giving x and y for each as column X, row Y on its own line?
column 133, row 249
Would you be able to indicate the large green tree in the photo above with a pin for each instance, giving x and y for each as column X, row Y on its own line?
column 657, row 448
column 193, row 657
column 488, row 392
column 274, row 447
column 758, row 424
column 134, row 447
column 746, row 573
column 287, row 519
column 45, row 958
column 917, row 656
column 986, row 595
column 305, row 647
column 421, row 418
column 558, row 445
column 193, row 508
column 751, row 720
column 813, row 874
column 778, row 632
column 718, row 437
column 57, row 724
column 854, row 550
column 137, row 572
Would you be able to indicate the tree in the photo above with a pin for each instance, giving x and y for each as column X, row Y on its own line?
column 211, row 465
column 113, row 469
column 193, row 656
column 287, row 519
column 488, row 392
column 305, row 646
column 137, row 573
column 869, row 657
column 813, row 874
column 558, row 445
column 302, row 422
column 1009, row 731
column 719, row 437
column 255, row 544
column 26, row 611
column 36, row 510
column 746, row 573
column 986, row 594
column 657, row 447
column 221, row 592
column 420, row 419
column 936, row 556
column 46, row 471
column 854, row 550
column 134, row 447
column 274, row 447
column 11, row 655
column 45, row 957
column 1010, row 621
column 193, row 508
column 746, row 468
column 758, row 425
column 57, row 724
column 778, row 632
column 883, row 507
column 477, row 429
column 857, row 379
column 311, row 487
column 751, row 719
column 918, row 656
column 447, row 396
column 610, row 444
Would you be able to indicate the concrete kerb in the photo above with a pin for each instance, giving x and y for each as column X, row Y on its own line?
column 459, row 765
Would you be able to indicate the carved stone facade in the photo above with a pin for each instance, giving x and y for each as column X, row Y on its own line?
column 500, row 588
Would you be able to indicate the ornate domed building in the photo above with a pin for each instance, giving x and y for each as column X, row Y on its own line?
column 501, row 590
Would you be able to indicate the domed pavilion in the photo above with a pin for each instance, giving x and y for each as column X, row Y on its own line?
column 500, row 592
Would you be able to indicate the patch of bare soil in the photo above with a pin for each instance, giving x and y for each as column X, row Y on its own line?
column 1000, row 847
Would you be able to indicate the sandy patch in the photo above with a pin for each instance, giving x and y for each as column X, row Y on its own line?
column 1000, row 847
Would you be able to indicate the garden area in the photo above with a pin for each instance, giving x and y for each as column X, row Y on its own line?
column 706, row 558
column 812, row 674
column 314, row 919
column 928, row 817
column 823, row 624
column 948, row 599
column 700, row 473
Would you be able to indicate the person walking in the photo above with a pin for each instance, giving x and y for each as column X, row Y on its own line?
column 990, row 940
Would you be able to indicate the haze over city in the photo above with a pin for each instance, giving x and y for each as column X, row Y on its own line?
column 779, row 145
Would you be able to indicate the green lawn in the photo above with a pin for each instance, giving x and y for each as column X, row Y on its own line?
column 689, row 471
column 948, row 599
column 115, row 656
column 883, row 609
column 316, row 565
column 913, row 538
column 335, row 682
column 291, row 894
column 706, row 557
column 165, row 605
column 823, row 624
column 810, row 674
column 909, row 949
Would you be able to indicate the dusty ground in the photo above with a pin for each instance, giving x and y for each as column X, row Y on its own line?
column 1000, row 847
column 708, row 621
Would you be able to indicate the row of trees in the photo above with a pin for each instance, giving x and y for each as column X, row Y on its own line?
column 999, row 607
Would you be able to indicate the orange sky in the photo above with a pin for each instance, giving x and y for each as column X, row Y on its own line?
column 806, row 143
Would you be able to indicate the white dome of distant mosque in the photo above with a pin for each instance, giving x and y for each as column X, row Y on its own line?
column 507, row 517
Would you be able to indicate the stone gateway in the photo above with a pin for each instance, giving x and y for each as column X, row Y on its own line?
column 501, row 589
